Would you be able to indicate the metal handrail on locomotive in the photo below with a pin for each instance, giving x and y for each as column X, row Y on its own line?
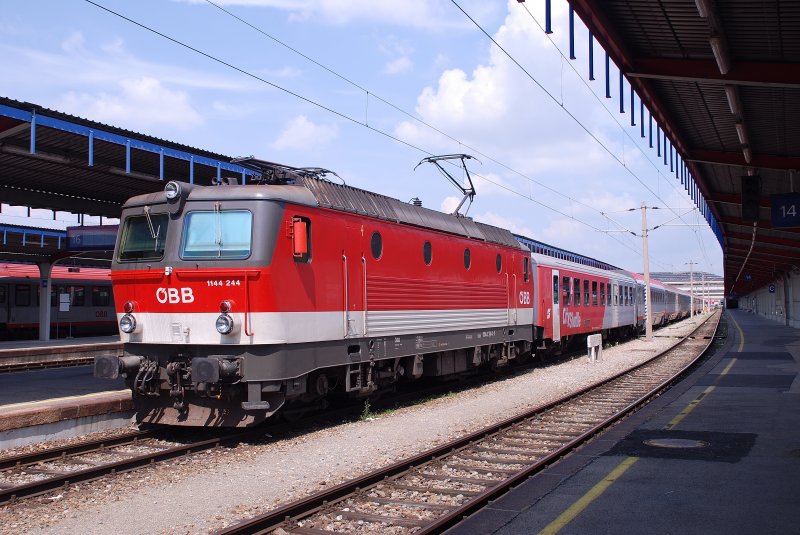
column 237, row 301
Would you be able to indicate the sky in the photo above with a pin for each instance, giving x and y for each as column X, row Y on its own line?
column 367, row 88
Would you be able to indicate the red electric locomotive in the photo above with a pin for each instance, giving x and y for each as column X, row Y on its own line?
column 237, row 300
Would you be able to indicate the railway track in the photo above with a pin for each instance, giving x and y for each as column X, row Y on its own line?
column 434, row 490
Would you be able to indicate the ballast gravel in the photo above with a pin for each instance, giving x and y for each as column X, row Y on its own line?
column 205, row 492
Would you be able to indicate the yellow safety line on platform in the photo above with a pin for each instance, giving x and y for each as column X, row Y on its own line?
column 741, row 334
column 46, row 401
column 595, row 492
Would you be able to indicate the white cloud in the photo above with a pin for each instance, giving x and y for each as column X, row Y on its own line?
column 399, row 65
column 514, row 224
column 140, row 103
column 300, row 134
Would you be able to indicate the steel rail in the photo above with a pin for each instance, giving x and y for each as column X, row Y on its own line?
column 306, row 507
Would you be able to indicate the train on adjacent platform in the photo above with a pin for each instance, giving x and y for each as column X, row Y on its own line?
column 239, row 301
column 81, row 302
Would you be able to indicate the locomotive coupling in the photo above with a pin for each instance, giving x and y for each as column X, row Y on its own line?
column 110, row 367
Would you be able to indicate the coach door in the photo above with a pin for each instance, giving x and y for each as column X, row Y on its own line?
column 556, row 308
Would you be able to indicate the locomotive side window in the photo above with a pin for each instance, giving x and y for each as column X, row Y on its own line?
column 427, row 253
column 101, row 296
column 577, row 291
column 586, row 293
column 594, row 293
column 467, row 258
column 526, row 268
column 22, row 295
column 498, row 263
column 143, row 237
column 217, row 234
column 376, row 245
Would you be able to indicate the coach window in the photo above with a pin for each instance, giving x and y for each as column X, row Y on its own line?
column 594, row 293
column 467, row 258
column 376, row 245
column 602, row 294
column 22, row 295
column 101, row 296
column 586, row 293
column 498, row 263
column 565, row 288
column 2, row 294
column 614, row 294
column 576, row 285
column 78, row 296
column 555, row 289
column 427, row 253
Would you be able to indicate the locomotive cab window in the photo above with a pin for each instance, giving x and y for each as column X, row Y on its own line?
column 143, row 237
column 217, row 234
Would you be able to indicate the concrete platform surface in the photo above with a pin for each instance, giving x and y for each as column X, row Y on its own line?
column 718, row 453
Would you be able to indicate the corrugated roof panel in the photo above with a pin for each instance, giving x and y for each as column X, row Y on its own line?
column 354, row 200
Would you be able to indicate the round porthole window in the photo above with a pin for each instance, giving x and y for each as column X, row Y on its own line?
column 427, row 253
column 467, row 258
column 499, row 263
column 376, row 245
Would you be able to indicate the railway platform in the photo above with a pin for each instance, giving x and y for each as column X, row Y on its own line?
column 62, row 402
column 27, row 354
column 717, row 453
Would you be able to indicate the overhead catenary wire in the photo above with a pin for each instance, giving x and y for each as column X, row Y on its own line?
column 363, row 123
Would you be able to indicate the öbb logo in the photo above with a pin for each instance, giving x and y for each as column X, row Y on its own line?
column 174, row 295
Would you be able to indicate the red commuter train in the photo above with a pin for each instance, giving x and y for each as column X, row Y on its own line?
column 80, row 301
column 235, row 302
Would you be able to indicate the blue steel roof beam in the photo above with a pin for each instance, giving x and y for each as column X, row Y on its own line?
column 37, row 119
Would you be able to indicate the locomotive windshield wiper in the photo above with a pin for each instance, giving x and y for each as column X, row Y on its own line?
column 153, row 232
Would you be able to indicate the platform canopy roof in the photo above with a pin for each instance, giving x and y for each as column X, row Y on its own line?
column 57, row 161
column 722, row 79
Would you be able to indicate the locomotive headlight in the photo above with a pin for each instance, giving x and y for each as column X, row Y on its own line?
column 172, row 190
column 224, row 324
column 127, row 324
